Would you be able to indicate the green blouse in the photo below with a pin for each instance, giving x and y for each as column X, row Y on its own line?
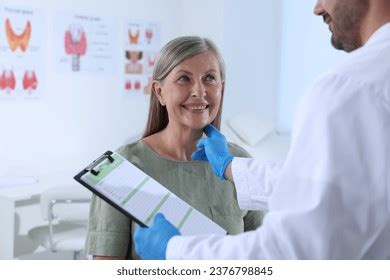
column 110, row 232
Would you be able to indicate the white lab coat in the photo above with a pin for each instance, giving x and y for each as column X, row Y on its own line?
column 330, row 198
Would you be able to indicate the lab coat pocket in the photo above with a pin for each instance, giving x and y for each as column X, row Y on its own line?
column 229, row 217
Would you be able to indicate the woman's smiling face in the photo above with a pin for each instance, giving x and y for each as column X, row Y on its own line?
column 192, row 91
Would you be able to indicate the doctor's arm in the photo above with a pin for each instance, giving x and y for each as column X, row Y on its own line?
column 229, row 173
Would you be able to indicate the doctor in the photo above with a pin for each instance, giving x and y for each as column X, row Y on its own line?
column 330, row 199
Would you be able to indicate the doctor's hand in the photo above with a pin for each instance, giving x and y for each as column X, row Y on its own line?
column 215, row 150
column 151, row 243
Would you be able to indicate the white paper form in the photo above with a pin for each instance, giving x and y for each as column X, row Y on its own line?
column 143, row 197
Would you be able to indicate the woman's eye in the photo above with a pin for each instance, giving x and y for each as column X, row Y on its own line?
column 184, row 78
column 210, row 78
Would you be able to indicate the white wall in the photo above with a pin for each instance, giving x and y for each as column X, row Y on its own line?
column 82, row 115
column 202, row 18
column 305, row 53
column 251, row 50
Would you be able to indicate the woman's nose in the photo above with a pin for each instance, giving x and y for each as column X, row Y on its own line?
column 198, row 89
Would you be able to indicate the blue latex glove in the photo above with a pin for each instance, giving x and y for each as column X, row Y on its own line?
column 215, row 150
column 151, row 243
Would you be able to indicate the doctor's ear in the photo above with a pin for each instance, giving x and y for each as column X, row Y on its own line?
column 157, row 91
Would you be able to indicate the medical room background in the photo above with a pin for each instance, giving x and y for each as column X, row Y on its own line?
column 68, row 90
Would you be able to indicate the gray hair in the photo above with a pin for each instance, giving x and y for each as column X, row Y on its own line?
column 182, row 48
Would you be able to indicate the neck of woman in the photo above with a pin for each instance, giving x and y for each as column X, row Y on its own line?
column 173, row 142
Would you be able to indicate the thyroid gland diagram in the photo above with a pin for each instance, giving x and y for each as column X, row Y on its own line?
column 7, row 81
column 30, row 81
column 130, row 84
column 149, row 35
column 75, row 44
column 18, row 40
column 133, row 36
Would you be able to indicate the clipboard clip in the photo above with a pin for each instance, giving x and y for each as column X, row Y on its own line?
column 106, row 155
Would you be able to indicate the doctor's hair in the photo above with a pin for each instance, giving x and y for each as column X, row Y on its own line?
column 171, row 55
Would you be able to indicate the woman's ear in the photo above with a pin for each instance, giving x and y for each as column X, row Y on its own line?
column 157, row 91
column 222, row 89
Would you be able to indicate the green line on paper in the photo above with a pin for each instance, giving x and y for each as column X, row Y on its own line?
column 158, row 207
column 185, row 218
column 133, row 192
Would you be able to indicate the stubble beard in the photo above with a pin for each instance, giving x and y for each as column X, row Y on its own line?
column 347, row 22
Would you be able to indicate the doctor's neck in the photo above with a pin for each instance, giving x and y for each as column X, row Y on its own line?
column 378, row 14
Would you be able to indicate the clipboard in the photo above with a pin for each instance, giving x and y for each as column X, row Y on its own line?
column 138, row 196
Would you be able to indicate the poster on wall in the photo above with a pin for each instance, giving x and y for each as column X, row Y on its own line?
column 85, row 44
column 142, row 41
column 22, row 52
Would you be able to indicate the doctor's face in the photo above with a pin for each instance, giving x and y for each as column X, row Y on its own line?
column 192, row 91
column 345, row 18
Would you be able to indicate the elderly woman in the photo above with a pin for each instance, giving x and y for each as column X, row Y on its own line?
column 187, row 94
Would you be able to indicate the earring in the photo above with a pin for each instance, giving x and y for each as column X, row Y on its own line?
column 162, row 103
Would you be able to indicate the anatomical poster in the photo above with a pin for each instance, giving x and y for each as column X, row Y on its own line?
column 22, row 52
column 85, row 44
column 141, row 46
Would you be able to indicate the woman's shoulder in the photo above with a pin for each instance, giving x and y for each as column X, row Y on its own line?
column 238, row 151
column 129, row 150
